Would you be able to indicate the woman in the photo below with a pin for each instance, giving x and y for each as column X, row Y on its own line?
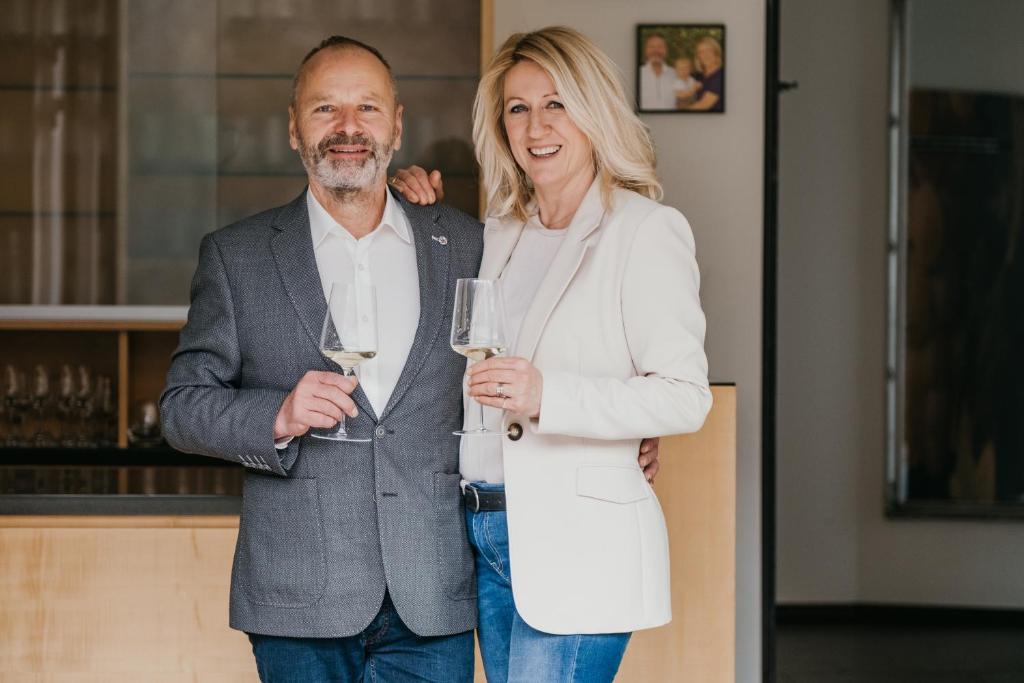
column 711, row 96
column 601, row 290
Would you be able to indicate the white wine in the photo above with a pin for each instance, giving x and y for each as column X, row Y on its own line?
column 349, row 359
column 477, row 352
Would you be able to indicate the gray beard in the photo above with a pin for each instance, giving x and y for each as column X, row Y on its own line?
column 346, row 180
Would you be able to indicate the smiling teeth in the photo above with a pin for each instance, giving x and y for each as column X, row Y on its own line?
column 544, row 151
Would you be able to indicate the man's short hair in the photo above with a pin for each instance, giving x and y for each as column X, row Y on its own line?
column 343, row 41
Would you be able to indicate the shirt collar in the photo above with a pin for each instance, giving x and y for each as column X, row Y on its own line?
column 322, row 224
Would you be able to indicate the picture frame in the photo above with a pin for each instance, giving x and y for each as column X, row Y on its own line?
column 680, row 68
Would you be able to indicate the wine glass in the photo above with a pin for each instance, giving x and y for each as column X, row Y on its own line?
column 41, row 403
column 478, row 330
column 66, row 406
column 85, row 405
column 349, row 337
column 11, row 402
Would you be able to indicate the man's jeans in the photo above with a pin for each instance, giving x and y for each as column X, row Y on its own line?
column 512, row 650
column 386, row 651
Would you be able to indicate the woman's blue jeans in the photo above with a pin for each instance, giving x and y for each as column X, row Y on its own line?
column 512, row 650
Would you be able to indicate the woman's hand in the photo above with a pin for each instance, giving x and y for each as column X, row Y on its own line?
column 512, row 384
column 417, row 186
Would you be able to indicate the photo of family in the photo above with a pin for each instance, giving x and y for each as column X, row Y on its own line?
column 681, row 68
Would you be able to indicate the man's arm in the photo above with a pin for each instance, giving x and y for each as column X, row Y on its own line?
column 204, row 408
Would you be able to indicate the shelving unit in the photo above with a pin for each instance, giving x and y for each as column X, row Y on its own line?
column 133, row 344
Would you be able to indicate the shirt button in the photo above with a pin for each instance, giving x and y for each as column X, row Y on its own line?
column 381, row 431
column 362, row 267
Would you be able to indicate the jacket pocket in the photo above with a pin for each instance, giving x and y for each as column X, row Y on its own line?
column 454, row 556
column 281, row 560
column 613, row 484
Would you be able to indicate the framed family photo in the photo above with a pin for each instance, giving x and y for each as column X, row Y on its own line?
column 680, row 68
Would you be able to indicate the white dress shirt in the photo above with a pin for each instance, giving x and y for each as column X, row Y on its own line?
column 385, row 258
column 657, row 91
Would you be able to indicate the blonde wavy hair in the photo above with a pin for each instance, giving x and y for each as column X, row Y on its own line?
column 588, row 86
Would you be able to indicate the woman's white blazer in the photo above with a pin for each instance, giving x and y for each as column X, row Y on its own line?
column 617, row 331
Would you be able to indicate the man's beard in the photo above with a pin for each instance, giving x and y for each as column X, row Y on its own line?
column 345, row 178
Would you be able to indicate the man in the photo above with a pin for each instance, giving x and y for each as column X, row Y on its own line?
column 352, row 560
column 657, row 81
column 360, row 544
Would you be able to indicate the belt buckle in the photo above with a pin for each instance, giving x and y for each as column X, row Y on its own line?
column 476, row 497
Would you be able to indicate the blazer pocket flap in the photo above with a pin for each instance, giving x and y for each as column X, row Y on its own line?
column 613, row 484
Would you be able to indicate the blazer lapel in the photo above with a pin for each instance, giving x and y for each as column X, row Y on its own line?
column 500, row 238
column 567, row 261
column 433, row 258
column 292, row 247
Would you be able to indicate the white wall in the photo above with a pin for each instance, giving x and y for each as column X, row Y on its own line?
column 835, row 544
column 711, row 166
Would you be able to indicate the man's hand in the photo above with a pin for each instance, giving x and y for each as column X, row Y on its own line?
column 318, row 400
column 648, row 458
column 418, row 186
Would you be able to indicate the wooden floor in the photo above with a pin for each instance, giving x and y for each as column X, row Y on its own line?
column 874, row 654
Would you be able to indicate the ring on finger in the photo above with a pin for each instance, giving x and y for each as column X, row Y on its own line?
column 500, row 390
column 393, row 180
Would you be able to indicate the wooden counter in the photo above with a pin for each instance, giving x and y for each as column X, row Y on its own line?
column 94, row 599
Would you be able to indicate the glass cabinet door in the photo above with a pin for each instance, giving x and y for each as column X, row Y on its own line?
column 134, row 127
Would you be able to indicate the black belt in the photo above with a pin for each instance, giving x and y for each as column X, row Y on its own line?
column 483, row 501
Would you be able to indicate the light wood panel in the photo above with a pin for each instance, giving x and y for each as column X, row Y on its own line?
column 118, row 604
column 697, row 490
column 146, row 598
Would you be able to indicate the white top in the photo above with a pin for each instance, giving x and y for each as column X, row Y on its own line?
column 657, row 91
column 385, row 258
column 480, row 456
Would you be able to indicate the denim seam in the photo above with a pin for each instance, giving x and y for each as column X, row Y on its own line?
column 575, row 656
column 499, row 566
column 379, row 635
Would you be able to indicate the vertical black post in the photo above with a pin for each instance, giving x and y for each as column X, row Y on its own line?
column 768, row 341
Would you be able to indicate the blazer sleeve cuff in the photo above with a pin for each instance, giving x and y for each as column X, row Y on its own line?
column 557, row 405
column 255, row 432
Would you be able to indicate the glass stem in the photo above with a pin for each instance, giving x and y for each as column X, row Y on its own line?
column 342, row 426
column 483, row 428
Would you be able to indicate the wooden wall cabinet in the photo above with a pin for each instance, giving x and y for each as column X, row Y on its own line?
column 131, row 345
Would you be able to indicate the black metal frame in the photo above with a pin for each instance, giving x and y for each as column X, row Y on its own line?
column 768, row 341
column 161, row 456
column 114, row 503
column 890, row 615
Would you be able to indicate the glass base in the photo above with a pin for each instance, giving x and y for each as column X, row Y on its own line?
column 339, row 437
column 479, row 432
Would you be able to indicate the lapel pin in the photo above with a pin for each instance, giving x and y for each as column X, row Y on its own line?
column 442, row 240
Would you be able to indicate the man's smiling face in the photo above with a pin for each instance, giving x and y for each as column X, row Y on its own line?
column 345, row 121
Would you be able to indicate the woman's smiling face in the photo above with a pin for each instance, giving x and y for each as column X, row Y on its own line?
column 544, row 141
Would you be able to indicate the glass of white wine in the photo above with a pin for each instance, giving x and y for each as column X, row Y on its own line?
column 478, row 330
column 349, row 337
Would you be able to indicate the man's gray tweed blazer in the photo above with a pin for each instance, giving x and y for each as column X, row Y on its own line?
column 327, row 526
